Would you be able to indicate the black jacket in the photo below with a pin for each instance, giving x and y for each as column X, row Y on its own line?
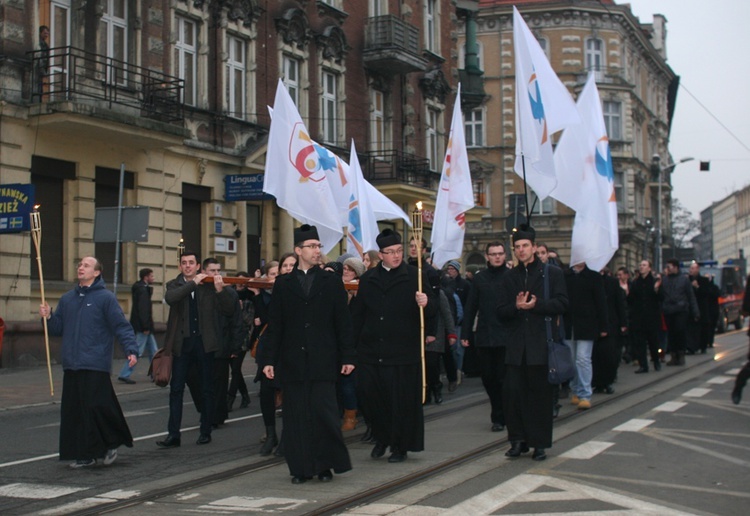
column 484, row 297
column 386, row 315
column 309, row 336
column 141, row 313
column 645, row 314
column 586, row 317
column 527, row 332
column 617, row 306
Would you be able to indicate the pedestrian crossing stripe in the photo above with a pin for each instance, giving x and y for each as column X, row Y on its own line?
column 248, row 503
column 37, row 491
column 88, row 503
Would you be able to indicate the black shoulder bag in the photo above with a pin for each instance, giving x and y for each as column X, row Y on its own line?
column 559, row 358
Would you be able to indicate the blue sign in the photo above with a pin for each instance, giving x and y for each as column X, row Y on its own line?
column 245, row 187
column 16, row 204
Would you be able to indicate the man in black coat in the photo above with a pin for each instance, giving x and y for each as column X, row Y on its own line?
column 527, row 393
column 490, row 335
column 700, row 334
column 307, row 345
column 645, row 317
column 387, row 331
column 585, row 322
column 605, row 358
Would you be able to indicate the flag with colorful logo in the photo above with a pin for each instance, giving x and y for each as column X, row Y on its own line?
column 585, row 182
column 455, row 195
column 543, row 107
column 302, row 175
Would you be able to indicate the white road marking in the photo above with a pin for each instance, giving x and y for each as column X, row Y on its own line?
column 87, row 503
column 634, row 425
column 733, row 372
column 670, row 406
column 720, row 379
column 247, row 503
column 37, row 491
column 698, row 392
column 587, row 450
column 522, row 487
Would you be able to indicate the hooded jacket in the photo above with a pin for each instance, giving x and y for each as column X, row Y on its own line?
column 89, row 319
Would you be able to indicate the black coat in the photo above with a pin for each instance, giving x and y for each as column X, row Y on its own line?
column 703, row 294
column 308, row 336
column 141, row 313
column 386, row 315
column 484, row 297
column 527, row 332
column 645, row 314
column 617, row 307
column 586, row 317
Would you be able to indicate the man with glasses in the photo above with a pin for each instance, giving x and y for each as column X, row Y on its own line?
column 387, row 332
column 307, row 345
column 490, row 336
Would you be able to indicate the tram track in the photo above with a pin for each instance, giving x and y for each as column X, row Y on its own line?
column 403, row 482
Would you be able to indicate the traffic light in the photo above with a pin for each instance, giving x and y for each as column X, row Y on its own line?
column 705, row 166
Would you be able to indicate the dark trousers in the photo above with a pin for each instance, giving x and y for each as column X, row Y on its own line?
column 192, row 353
column 238, row 381
column 492, row 369
column 527, row 397
column 643, row 340
column 677, row 331
column 267, row 401
column 221, row 385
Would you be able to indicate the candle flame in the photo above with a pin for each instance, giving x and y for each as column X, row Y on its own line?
column 419, row 205
column 37, row 206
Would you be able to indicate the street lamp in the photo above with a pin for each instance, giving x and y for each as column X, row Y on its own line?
column 659, row 170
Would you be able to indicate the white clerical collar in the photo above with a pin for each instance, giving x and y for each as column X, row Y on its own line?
column 386, row 268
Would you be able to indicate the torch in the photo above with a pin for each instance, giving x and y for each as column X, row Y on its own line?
column 36, row 235
column 416, row 220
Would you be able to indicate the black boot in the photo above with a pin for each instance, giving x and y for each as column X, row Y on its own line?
column 437, row 393
column 245, row 401
column 279, row 450
column 367, row 436
column 230, row 402
column 271, row 441
column 516, row 449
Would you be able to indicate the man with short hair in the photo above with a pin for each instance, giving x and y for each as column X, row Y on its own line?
column 387, row 332
column 92, row 425
column 307, row 345
column 678, row 303
column 141, row 317
column 194, row 308
column 527, row 393
column 490, row 336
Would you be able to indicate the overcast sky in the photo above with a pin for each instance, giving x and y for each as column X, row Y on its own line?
column 707, row 46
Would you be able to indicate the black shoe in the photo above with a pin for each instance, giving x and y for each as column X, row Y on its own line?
column 204, row 439
column 397, row 456
column 657, row 365
column 230, row 402
column 516, row 449
column 126, row 380
column 609, row 390
column 642, row 370
column 538, row 454
column 367, row 436
column 325, row 476
column 736, row 396
column 245, row 401
column 299, row 479
column 270, row 443
column 437, row 393
column 169, row 442
column 498, row 427
column 378, row 451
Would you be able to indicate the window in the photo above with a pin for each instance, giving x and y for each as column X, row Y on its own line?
column 474, row 128
column 538, row 207
column 544, row 43
column 329, row 108
column 479, row 193
column 291, row 78
column 431, row 134
column 236, row 75
column 377, row 121
column 185, row 57
column 432, row 26
column 619, row 184
column 378, row 7
column 113, row 38
column 638, row 142
column 59, row 37
column 613, row 120
column 595, row 57
column 480, row 56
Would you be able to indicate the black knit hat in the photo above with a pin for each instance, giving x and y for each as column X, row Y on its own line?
column 387, row 238
column 524, row 232
column 305, row 232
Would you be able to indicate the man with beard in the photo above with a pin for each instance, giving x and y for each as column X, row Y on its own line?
column 527, row 393
column 308, row 343
column 387, row 331
column 490, row 337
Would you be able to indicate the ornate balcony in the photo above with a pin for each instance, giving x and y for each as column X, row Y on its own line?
column 392, row 46
column 396, row 167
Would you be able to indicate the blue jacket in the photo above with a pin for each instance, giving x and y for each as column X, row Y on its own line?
column 89, row 318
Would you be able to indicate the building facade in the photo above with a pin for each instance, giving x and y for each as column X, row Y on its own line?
column 175, row 93
column 638, row 92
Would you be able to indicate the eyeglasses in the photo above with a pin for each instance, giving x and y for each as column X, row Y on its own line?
column 400, row 250
column 312, row 246
column 501, row 253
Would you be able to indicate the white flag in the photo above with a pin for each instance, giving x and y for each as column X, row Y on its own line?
column 585, row 182
column 299, row 172
column 455, row 195
column 543, row 107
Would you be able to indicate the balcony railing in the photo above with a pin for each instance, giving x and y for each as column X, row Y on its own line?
column 392, row 166
column 72, row 74
column 392, row 46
